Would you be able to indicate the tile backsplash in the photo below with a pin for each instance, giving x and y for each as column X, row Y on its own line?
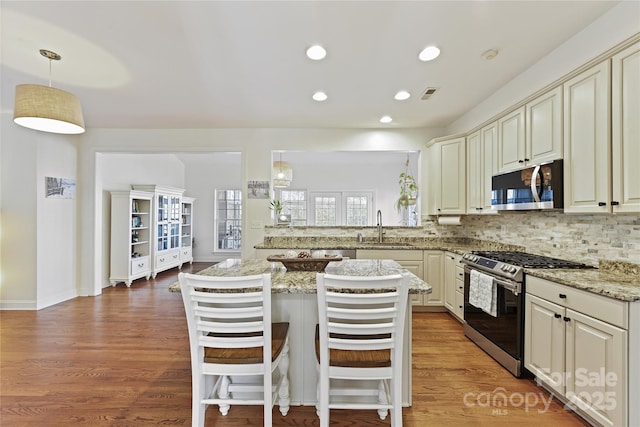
column 586, row 238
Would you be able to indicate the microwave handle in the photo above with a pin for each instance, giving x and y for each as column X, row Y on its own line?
column 537, row 194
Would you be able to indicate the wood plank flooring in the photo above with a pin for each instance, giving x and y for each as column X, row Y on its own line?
column 122, row 359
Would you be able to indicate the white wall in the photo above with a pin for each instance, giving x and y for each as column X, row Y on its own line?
column 39, row 235
column 255, row 146
column 118, row 171
column 205, row 173
column 617, row 25
column 376, row 171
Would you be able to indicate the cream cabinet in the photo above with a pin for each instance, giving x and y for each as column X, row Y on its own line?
column 410, row 259
column 481, row 166
column 186, row 230
column 447, row 176
column 166, row 218
column 454, row 284
column 543, row 128
column 131, row 213
column 511, row 147
column 587, row 144
column 576, row 345
column 434, row 276
column 625, row 106
column 602, row 142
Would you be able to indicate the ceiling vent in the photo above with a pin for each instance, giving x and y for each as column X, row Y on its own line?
column 428, row 92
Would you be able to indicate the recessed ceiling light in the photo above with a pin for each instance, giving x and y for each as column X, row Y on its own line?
column 429, row 53
column 488, row 55
column 316, row 52
column 319, row 96
column 402, row 95
column 386, row 119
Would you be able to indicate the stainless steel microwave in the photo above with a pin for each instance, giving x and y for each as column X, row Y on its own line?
column 536, row 187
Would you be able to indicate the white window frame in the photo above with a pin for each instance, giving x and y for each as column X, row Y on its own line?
column 341, row 202
column 216, row 221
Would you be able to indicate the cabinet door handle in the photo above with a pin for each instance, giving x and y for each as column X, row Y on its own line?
column 526, row 160
column 520, row 161
column 602, row 203
column 615, row 203
column 557, row 315
column 566, row 319
column 563, row 296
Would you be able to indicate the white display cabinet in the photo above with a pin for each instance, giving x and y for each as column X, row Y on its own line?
column 130, row 236
column 186, row 230
column 166, row 218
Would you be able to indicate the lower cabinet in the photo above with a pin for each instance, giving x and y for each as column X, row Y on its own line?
column 454, row 285
column 576, row 345
column 412, row 260
column 434, row 276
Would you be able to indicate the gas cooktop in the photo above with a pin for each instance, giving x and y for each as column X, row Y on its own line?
column 525, row 260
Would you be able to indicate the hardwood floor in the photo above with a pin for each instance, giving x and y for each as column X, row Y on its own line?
column 122, row 359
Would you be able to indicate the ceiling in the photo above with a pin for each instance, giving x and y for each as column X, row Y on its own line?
column 242, row 64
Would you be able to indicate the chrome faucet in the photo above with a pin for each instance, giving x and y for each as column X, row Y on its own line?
column 379, row 218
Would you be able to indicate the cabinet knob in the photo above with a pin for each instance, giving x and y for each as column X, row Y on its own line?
column 566, row 319
column 615, row 203
column 557, row 316
column 563, row 296
column 526, row 160
column 602, row 203
column 520, row 161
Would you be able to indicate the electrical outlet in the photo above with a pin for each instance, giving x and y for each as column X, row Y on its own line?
column 256, row 225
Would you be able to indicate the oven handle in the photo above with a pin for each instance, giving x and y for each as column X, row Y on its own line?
column 514, row 287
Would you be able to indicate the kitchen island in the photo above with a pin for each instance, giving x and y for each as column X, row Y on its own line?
column 294, row 301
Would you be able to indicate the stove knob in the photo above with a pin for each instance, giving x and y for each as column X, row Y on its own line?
column 466, row 256
column 475, row 258
column 503, row 267
column 512, row 269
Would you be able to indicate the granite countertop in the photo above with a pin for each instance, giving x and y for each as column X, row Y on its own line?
column 456, row 245
column 304, row 282
column 614, row 279
column 617, row 280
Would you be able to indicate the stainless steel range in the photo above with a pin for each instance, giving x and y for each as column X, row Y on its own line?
column 500, row 331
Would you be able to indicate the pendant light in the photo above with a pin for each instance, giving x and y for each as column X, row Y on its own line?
column 46, row 108
column 283, row 173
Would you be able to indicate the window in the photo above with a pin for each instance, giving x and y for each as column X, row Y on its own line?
column 228, row 220
column 357, row 209
column 341, row 208
column 326, row 208
column 294, row 202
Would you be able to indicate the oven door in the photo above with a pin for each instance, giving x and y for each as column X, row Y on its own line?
column 507, row 329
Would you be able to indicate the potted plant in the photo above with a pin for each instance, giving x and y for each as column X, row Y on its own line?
column 408, row 191
column 276, row 206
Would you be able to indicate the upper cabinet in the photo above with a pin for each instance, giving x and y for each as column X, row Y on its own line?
column 511, row 153
column 531, row 134
column 543, row 126
column 602, row 137
column 625, row 105
column 481, row 166
column 447, row 177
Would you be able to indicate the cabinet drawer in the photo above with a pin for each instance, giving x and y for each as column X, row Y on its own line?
column 139, row 265
column 185, row 253
column 460, row 285
column 459, row 272
column 167, row 258
column 606, row 309
column 458, row 308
